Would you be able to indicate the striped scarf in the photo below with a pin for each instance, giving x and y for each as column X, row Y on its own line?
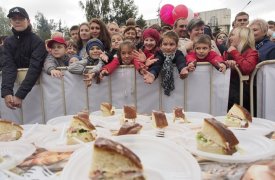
column 167, row 74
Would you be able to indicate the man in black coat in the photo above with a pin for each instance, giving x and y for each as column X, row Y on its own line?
column 23, row 49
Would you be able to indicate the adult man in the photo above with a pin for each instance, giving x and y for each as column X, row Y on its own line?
column 23, row 49
column 271, row 25
column 74, row 30
column 180, row 27
column 241, row 19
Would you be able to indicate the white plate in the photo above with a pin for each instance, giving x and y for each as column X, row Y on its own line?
column 98, row 114
column 53, row 142
column 195, row 119
column 250, row 148
column 16, row 153
column 154, row 153
column 258, row 126
column 60, row 120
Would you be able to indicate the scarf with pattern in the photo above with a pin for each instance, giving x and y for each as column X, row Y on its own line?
column 167, row 74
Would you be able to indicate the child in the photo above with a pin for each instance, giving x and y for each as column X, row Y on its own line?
column 116, row 40
column 125, row 57
column 96, row 57
column 203, row 53
column 151, row 38
column 72, row 51
column 57, row 57
column 167, row 55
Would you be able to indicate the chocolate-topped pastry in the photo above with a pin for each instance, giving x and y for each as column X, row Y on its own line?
column 159, row 119
column 129, row 128
column 178, row 114
column 112, row 160
column 238, row 116
column 130, row 112
column 107, row 109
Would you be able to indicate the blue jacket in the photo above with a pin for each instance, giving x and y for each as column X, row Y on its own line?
column 266, row 49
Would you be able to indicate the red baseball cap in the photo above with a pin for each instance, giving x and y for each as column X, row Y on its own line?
column 59, row 40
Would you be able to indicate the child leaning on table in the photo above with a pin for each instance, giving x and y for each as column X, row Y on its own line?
column 57, row 57
column 202, row 53
column 167, row 55
column 96, row 57
column 124, row 57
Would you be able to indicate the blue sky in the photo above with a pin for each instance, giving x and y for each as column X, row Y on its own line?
column 70, row 13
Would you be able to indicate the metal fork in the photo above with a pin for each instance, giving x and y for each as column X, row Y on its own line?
column 160, row 133
column 39, row 172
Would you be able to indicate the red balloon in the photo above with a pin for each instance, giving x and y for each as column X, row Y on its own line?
column 180, row 11
column 166, row 14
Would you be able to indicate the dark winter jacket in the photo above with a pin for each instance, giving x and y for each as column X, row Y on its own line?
column 22, row 50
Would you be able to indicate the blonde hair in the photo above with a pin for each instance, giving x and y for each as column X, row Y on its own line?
column 246, row 37
column 263, row 25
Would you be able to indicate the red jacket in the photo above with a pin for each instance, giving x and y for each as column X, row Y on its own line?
column 212, row 58
column 115, row 64
column 246, row 61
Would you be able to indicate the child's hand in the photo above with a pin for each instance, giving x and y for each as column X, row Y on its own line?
column 222, row 67
column 139, row 55
column 184, row 73
column 231, row 64
column 231, row 48
column 103, row 73
column 150, row 61
column 73, row 60
column 104, row 57
column 88, row 79
column 148, row 77
column 191, row 66
column 56, row 73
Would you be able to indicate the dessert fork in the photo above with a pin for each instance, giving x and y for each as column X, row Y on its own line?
column 160, row 133
column 39, row 172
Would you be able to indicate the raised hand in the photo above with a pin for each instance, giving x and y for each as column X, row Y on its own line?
column 139, row 55
column 148, row 77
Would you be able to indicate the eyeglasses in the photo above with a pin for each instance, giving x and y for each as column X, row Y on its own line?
column 240, row 20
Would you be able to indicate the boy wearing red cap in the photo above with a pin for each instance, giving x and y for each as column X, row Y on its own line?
column 57, row 57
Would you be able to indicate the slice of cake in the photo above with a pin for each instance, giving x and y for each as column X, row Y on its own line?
column 215, row 137
column 10, row 131
column 129, row 128
column 159, row 119
column 238, row 116
column 112, row 160
column 107, row 109
column 179, row 115
column 129, row 113
column 80, row 128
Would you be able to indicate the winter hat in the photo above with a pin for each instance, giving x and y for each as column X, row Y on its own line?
column 94, row 42
column 19, row 11
column 57, row 39
column 153, row 33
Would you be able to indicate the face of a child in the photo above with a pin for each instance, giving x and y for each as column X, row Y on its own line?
column 234, row 39
column 84, row 32
column 95, row 30
column 126, row 55
column 95, row 52
column 19, row 23
column 113, row 28
column 130, row 35
column 58, row 50
column 116, row 40
column 71, row 50
column 168, row 45
column 149, row 43
column 202, row 50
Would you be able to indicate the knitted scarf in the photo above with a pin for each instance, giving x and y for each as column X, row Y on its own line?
column 167, row 74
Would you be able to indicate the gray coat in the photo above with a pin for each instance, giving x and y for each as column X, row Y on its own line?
column 80, row 66
column 52, row 62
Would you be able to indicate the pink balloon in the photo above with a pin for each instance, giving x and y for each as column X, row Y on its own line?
column 166, row 14
column 180, row 11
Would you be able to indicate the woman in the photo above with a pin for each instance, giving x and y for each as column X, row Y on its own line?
column 195, row 28
column 99, row 30
column 84, row 36
column 221, row 40
column 265, row 47
column 241, row 52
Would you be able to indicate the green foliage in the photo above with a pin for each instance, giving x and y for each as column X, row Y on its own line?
column 5, row 29
column 44, row 27
column 141, row 22
column 110, row 10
